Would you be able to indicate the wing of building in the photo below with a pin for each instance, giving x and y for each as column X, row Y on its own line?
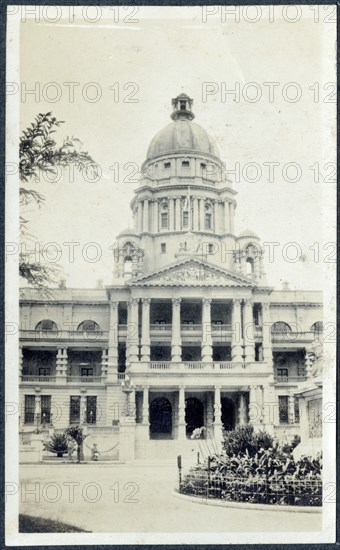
column 188, row 334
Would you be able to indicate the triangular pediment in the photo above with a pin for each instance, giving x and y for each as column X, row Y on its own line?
column 192, row 272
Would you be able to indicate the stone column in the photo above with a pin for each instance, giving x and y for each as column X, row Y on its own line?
column 171, row 214
column 37, row 409
column 227, row 216
column 140, row 216
column 155, row 216
column 216, row 219
column 231, row 215
column 206, row 331
column 145, row 329
column 181, row 413
column 195, row 214
column 112, row 360
column 176, row 344
column 266, row 334
column 269, row 406
column 104, row 362
column 242, row 412
column 146, row 405
column 210, row 415
column 178, row 215
column 132, row 331
column 61, row 365
column 248, row 331
column 83, row 407
column 120, row 268
column 236, row 341
column 201, row 214
column 255, row 409
column 218, row 421
column 146, row 215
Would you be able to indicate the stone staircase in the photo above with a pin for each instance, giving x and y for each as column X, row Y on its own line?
column 167, row 450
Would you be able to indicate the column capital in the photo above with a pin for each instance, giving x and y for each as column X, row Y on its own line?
column 176, row 301
column 146, row 301
column 248, row 302
column 134, row 301
column 237, row 301
column 206, row 301
column 145, row 388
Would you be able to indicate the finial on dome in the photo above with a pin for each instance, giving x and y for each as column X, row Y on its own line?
column 182, row 107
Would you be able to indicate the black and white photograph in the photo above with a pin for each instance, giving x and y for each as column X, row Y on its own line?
column 170, row 248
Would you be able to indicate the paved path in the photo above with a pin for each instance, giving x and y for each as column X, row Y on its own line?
column 129, row 498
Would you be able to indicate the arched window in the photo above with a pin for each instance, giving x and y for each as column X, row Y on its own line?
column 208, row 216
column 88, row 326
column 250, row 266
column 47, row 326
column 127, row 265
column 164, row 215
column 317, row 327
column 280, row 328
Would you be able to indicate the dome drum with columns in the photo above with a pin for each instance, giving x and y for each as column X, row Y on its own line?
column 184, row 205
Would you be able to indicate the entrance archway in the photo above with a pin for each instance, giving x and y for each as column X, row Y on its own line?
column 160, row 418
column 228, row 413
column 194, row 414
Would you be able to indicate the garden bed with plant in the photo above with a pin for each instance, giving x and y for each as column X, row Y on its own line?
column 254, row 468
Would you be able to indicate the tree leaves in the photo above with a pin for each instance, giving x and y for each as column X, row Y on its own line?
column 39, row 154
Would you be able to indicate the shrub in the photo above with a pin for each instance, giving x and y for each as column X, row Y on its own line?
column 252, row 469
column 244, row 439
column 57, row 444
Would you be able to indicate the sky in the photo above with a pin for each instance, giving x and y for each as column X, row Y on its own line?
column 124, row 74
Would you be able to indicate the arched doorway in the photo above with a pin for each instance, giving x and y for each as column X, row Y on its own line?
column 160, row 418
column 194, row 414
column 228, row 413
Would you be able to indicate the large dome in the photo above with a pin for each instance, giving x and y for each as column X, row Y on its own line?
column 181, row 135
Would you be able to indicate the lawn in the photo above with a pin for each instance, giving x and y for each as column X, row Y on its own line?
column 30, row 524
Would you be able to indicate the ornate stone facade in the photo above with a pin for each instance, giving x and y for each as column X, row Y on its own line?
column 188, row 332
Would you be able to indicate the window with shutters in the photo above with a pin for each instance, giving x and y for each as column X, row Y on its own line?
column 29, row 409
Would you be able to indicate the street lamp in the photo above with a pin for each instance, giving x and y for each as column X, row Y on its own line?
column 127, row 388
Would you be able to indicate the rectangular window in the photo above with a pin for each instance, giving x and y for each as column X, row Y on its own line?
column 44, row 371
column 185, row 219
column 164, row 220
column 282, row 374
column 185, row 164
column 167, row 165
column 45, row 409
column 208, row 221
column 163, row 248
column 210, row 248
column 87, row 372
column 74, row 409
column 203, row 166
column 29, row 409
column 283, row 409
column 91, row 409
column 296, row 410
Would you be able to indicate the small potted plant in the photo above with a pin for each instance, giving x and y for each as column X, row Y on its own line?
column 56, row 444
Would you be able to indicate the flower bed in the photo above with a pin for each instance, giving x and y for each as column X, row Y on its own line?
column 256, row 475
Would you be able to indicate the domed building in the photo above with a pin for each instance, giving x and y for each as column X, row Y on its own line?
column 188, row 335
